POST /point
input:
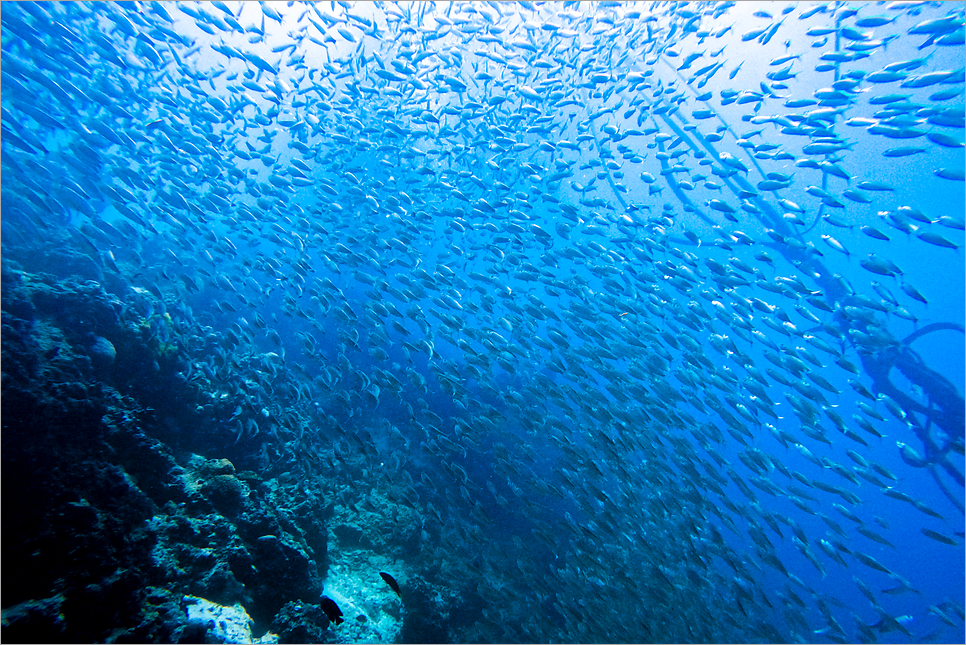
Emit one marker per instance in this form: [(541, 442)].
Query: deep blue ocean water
[(511, 357)]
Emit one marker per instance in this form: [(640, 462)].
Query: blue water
[(555, 455)]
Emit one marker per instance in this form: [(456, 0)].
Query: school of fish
[(552, 275)]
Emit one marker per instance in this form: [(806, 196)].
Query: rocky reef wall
[(110, 513)]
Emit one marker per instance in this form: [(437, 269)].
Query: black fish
[(331, 610), (391, 582)]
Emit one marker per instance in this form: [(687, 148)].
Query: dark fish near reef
[(331, 610), (391, 582)]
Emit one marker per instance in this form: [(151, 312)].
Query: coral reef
[(127, 524), (146, 530)]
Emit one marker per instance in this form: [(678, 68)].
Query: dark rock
[(432, 612), (164, 620), (226, 492), (91, 611), (310, 517), (255, 523), (348, 534), (220, 584), (285, 573), (300, 622), (34, 621), (196, 631), (241, 563)]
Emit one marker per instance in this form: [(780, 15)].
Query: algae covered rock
[(226, 492), (102, 353), (217, 467), (300, 622)]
